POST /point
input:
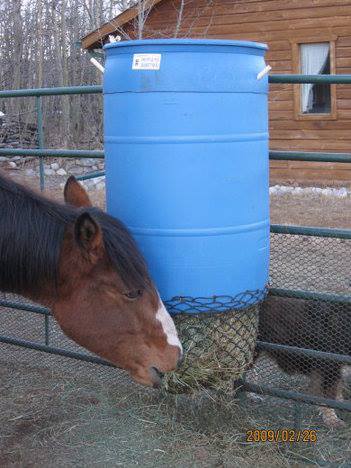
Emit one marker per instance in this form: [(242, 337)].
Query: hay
[(218, 349)]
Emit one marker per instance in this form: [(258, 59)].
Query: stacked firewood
[(17, 134)]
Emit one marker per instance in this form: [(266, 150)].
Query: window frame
[(296, 65)]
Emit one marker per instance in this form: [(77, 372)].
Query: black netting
[(214, 304)]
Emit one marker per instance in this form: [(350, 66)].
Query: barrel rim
[(203, 42)]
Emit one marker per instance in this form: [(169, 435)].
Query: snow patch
[(341, 192)]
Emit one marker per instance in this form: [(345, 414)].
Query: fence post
[(47, 329), (40, 135)]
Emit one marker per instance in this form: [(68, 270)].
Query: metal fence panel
[(310, 283)]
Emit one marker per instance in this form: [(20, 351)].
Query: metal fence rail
[(59, 91), (41, 152), (52, 153), (309, 157)]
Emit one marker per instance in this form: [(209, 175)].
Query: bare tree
[(144, 7), (38, 47), (179, 18)]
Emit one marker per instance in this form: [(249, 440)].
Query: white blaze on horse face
[(168, 326)]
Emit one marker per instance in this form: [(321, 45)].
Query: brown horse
[(85, 266)]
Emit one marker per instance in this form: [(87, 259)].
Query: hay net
[(218, 334)]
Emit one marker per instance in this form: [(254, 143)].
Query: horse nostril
[(157, 377), (158, 372)]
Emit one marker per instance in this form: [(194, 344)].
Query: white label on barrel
[(146, 61)]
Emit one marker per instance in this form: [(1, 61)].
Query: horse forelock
[(122, 251)]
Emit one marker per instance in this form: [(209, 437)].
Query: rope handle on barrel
[(264, 72), (97, 64)]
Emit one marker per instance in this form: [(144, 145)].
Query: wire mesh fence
[(309, 322), (219, 333), (310, 263)]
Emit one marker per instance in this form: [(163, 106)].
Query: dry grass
[(52, 418)]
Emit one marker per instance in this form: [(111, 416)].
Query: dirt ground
[(311, 210), (56, 412)]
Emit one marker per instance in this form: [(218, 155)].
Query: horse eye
[(134, 294)]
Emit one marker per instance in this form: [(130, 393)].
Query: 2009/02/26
[(281, 435)]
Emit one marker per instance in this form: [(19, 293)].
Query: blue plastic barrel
[(186, 144)]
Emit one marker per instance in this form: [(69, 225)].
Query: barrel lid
[(204, 42), (188, 65)]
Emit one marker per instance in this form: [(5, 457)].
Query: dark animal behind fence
[(317, 325)]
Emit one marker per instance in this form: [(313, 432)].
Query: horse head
[(106, 300)]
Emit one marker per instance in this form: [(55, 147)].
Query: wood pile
[(17, 134)]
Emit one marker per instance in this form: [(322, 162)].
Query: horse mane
[(32, 230)]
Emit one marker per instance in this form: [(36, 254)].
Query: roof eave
[(96, 38)]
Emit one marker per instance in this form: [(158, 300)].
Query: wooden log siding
[(279, 23)]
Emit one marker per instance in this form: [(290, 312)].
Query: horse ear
[(88, 235), (75, 194)]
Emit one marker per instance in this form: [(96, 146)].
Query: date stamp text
[(282, 435)]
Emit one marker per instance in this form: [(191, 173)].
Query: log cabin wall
[(282, 24)]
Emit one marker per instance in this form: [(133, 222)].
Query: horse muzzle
[(156, 377)]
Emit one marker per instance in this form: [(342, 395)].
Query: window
[(314, 56), (315, 60)]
